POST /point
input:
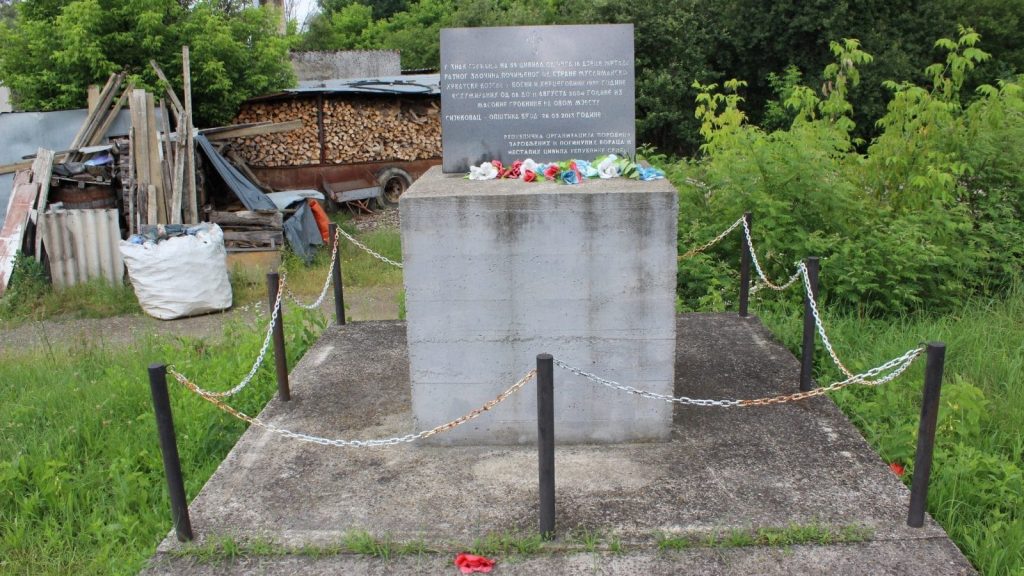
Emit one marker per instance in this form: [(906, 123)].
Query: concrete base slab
[(735, 468)]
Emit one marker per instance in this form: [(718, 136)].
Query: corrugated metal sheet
[(82, 245), (421, 84)]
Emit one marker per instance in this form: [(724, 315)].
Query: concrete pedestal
[(499, 271)]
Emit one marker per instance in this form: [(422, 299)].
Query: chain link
[(818, 323), (274, 315), (715, 240), (896, 365), (341, 443), (757, 265), (327, 283), (367, 249)]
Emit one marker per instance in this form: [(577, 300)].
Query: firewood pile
[(355, 130), (295, 148)]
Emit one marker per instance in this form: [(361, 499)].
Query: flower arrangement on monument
[(566, 172)]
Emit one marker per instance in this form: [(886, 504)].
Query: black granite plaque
[(542, 92)]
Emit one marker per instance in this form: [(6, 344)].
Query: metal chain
[(897, 365), (757, 265), (367, 249), (255, 421), (790, 282), (715, 240), (818, 323), (327, 283), (645, 393), (275, 314)]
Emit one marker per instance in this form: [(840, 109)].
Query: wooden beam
[(97, 137), (217, 129), (169, 88), (16, 166), (155, 166), (42, 169), (95, 118), (247, 218), (256, 130), (93, 92), (189, 167)]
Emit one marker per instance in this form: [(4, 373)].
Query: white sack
[(180, 276)]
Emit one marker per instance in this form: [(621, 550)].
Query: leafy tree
[(56, 48)]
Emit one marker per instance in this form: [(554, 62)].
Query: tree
[(56, 48)]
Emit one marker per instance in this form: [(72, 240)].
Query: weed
[(506, 544)]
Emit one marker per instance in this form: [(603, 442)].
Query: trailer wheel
[(393, 183)]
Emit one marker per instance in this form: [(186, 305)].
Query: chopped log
[(247, 218)]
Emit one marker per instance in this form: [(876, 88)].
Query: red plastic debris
[(469, 563), (897, 469)]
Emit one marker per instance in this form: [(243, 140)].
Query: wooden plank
[(179, 110), (93, 92), (218, 129), (42, 169), (95, 117), (15, 167), (76, 143), (101, 132), (140, 152), (256, 130), (156, 178), (189, 167), (263, 237), (170, 164), (239, 163), (12, 235), (247, 218)]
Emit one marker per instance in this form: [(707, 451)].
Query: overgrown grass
[(977, 483), (791, 535), (82, 488)]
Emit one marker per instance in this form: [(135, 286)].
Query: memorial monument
[(501, 270)]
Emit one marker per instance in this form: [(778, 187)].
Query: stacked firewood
[(375, 131), (295, 148), (355, 130)]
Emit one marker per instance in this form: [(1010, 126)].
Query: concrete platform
[(724, 469)]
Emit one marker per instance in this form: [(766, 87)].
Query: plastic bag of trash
[(182, 275)]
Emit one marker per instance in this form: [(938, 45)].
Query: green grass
[(791, 535), (977, 484), (82, 488)]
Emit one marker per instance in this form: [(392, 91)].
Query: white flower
[(608, 168), (485, 171), (530, 165)]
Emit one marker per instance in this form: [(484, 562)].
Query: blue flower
[(570, 177)]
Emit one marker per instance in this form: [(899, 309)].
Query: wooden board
[(12, 235), (42, 169)]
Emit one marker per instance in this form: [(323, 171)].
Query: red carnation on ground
[(897, 469), (469, 563)]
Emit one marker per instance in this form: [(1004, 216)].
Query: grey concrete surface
[(498, 271), (738, 468)]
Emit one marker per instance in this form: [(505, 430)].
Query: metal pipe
[(169, 450), (280, 360), (745, 266), (926, 433), (807, 355), (546, 443), (339, 290)]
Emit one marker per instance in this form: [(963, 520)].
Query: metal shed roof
[(415, 84)]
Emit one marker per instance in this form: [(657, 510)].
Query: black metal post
[(807, 356), (169, 450), (339, 290), (546, 443), (280, 360), (745, 267), (926, 433)]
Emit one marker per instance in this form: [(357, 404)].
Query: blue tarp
[(246, 191)]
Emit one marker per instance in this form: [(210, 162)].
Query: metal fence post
[(926, 433), (745, 266), (169, 450), (280, 360), (546, 443), (807, 354), (339, 290)]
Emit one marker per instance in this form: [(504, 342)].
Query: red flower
[(897, 469), (469, 563), (513, 171), (551, 172), (529, 176), (497, 164)]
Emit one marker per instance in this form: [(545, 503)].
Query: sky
[(302, 9)]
